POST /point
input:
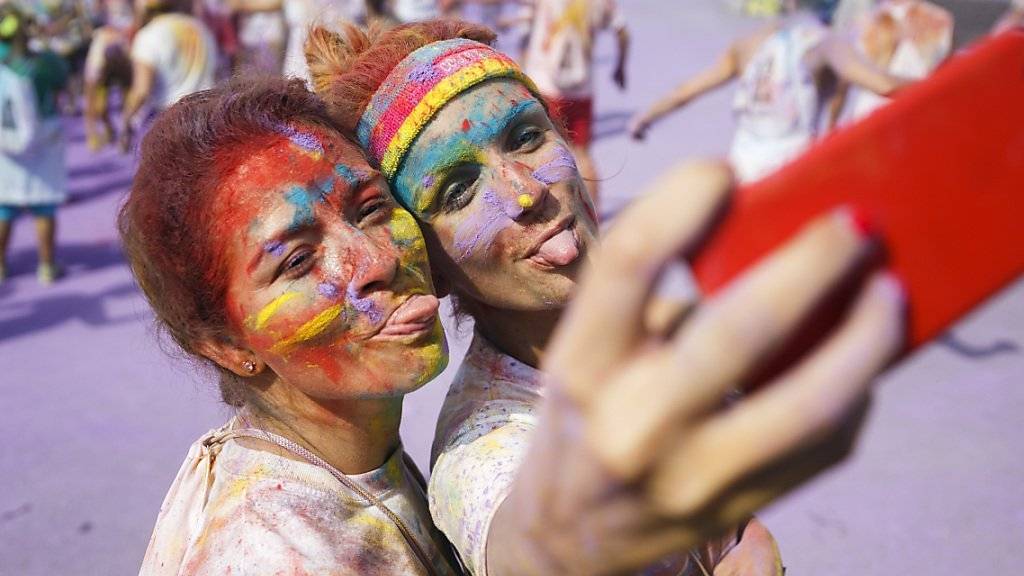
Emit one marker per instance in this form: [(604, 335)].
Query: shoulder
[(259, 515)]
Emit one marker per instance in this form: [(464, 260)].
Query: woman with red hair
[(631, 457), (273, 253)]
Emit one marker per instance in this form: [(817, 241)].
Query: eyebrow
[(302, 198), (465, 152)]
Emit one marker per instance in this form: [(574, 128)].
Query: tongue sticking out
[(559, 250)]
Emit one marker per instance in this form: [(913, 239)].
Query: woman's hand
[(636, 455)]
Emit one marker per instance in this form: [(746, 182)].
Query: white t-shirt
[(414, 10), (236, 508), (776, 103), (300, 14), (483, 433), (559, 57), (182, 52)]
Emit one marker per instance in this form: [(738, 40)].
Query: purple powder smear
[(427, 181), (561, 167), (485, 225), (423, 73), (274, 248), (363, 305), (304, 140), (328, 290)]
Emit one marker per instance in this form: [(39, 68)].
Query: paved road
[(97, 417)]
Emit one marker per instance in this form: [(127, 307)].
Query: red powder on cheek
[(466, 125)]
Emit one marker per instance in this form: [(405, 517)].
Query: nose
[(527, 193), (373, 268)]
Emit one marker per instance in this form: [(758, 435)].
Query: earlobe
[(238, 361)]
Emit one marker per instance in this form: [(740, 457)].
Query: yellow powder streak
[(310, 329), (268, 311)]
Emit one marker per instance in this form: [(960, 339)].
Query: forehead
[(476, 112), (294, 155)]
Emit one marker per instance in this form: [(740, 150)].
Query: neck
[(522, 335), (354, 436)]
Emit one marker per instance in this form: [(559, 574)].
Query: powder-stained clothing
[(37, 176), (183, 54), (483, 432), (238, 507), (776, 104), (560, 55), (926, 32)]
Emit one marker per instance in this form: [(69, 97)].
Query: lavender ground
[(97, 418)]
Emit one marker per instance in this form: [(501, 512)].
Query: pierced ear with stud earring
[(249, 366)]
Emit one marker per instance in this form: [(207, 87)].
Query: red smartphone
[(939, 172)]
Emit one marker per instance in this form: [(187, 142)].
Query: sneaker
[(48, 273)]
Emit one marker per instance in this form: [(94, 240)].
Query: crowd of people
[(315, 174)]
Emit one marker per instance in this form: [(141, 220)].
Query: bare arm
[(725, 69), (143, 80), (853, 67), (632, 458), (622, 39), (250, 6)]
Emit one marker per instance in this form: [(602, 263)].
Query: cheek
[(485, 230)]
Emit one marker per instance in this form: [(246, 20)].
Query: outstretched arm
[(622, 40), (853, 67), (633, 456), (725, 69)]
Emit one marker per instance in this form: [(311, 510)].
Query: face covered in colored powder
[(505, 211), (328, 277)]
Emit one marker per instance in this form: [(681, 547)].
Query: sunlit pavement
[(97, 417)]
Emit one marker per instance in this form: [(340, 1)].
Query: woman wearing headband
[(270, 251), (605, 475)]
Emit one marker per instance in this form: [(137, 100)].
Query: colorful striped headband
[(418, 87)]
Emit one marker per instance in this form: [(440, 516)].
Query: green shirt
[(49, 74)]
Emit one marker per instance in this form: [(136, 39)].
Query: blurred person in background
[(32, 174), (173, 54), (65, 28), (906, 38), (301, 14), (108, 68), (559, 58), (262, 32), (787, 72), (1014, 17)]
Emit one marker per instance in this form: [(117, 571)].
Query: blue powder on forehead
[(353, 177), (303, 199)]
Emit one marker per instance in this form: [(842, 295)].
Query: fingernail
[(858, 221), (896, 284)]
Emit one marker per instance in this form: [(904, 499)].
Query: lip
[(563, 224), (411, 320), (566, 223)]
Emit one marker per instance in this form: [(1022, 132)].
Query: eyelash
[(456, 200), (371, 207), (298, 263), (535, 138)]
